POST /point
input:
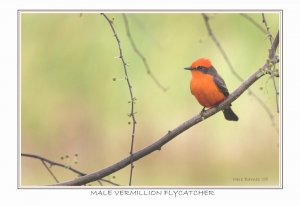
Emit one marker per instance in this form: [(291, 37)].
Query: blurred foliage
[(71, 105)]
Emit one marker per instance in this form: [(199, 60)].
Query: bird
[(209, 87)]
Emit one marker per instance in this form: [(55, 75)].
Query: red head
[(198, 66), (203, 62)]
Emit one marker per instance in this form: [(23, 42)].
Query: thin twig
[(249, 18), (276, 90), (270, 37), (51, 173), (226, 58), (173, 133), (53, 163), (139, 53), (130, 91), (100, 183)]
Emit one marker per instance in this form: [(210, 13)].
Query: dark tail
[(230, 115)]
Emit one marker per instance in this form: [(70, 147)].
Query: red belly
[(206, 91)]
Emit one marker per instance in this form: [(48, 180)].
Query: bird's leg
[(202, 112)]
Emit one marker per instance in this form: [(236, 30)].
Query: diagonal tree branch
[(273, 49), (180, 129), (234, 72)]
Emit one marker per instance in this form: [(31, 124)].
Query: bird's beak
[(188, 68)]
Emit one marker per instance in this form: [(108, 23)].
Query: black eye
[(199, 67)]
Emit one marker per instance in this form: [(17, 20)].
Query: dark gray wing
[(219, 81)]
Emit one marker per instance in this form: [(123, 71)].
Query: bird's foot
[(202, 113)]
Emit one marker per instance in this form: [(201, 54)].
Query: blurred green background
[(71, 105)]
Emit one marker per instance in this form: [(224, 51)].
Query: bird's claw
[(202, 112)]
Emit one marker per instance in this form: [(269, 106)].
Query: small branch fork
[(234, 72), (53, 163), (156, 146), (110, 22), (139, 53), (49, 170)]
